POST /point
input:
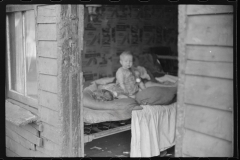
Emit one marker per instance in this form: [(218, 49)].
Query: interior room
[(150, 32)]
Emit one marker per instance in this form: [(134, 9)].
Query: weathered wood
[(49, 100), (17, 115), (210, 53), (25, 134), (19, 139), (17, 148), (210, 92), (31, 129), (209, 9), (49, 148), (69, 24), (28, 103), (211, 69), (182, 62), (37, 126), (10, 153), (209, 121), (47, 49), (48, 83), (17, 8), (51, 132), (47, 14), (31, 109), (201, 145), (22, 151), (47, 66), (46, 32), (210, 30), (49, 116)]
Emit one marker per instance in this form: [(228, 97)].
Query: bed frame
[(103, 133)]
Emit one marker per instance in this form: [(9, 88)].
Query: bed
[(103, 118)]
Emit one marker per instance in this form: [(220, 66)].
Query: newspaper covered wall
[(125, 27)]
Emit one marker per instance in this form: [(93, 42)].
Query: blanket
[(153, 130)]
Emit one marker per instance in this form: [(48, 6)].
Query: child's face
[(126, 61)]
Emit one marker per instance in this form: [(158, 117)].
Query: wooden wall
[(33, 140), (59, 32), (205, 117)]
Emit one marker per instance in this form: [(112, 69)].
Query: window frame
[(22, 100)]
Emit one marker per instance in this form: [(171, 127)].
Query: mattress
[(116, 110)]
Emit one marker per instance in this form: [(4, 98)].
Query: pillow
[(156, 95), (116, 104), (104, 80)]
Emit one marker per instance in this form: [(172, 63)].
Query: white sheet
[(153, 130)]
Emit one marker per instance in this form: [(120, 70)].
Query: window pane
[(31, 68), (15, 49)]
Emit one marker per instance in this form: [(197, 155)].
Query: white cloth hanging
[(153, 130)]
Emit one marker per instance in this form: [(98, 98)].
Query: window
[(21, 57)]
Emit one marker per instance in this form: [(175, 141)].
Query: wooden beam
[(70, 32), (182, 63)]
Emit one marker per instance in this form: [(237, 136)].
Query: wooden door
[(205, 96)]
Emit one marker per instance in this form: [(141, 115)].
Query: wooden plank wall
[(32, 140), (208, 81)]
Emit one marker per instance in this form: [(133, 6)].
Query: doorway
[(111, 29)]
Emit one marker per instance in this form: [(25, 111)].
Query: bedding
[(153, 130), (96, 111), (99, 109), (156, 95)]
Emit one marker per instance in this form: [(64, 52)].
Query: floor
[(117, 145)]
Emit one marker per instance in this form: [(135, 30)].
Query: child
[(127, 77)]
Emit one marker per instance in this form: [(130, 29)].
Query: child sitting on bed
[(128, 76), (125, 75)]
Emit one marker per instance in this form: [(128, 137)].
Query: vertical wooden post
[(69, 79), (181, 75)]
